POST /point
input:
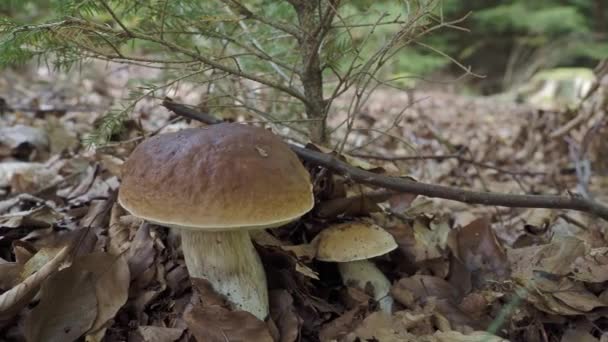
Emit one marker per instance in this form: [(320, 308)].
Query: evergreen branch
[(251, 15), (86, 25), (224, 68), (116, 19), (258, 46)]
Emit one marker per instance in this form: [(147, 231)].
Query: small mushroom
[(215, 185), (350, 245)]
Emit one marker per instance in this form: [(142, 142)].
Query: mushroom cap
[(221, 177), (353, 241)]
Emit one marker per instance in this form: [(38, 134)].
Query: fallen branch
[(330, 162)]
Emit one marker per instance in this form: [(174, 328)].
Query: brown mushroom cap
[(223, 177), (353, 241)]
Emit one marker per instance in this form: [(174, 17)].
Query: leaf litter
[(460, 272)]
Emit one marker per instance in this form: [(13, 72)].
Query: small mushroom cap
[(222, 177), (353, 241)]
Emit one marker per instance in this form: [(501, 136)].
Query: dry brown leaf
[(104, 276), (141, 254), (577, 335), (421, 287), (341, 326), (10, 274), (13, 300), (477, 336), (284, 315), (433, 236), (436, 295), (401, 202), (380, 326), (159, 334), (477, 247), (67, 308), (38, 260), (122, 229), (592, 267), (570, 293), (111, 281), (555, 258), (213, 323), (41, 217)]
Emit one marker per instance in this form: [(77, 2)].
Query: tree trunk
[(312, 77)]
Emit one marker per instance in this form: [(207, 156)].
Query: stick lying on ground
[(430, 190)]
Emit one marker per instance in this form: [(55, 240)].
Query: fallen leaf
[(476, 336), (40, 217), (14, 299), (577, 335), (341, 326), (141, 255), (67, 308), (111, 281), (380, 326), (592, 267), (213, 323), (477, 247), (284, 315), (159, 334), (555, 258)]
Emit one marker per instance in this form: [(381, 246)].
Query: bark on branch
[(430, 190)]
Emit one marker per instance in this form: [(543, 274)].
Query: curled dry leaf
[(13, 300)]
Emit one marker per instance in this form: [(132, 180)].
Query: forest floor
[(460, 272)]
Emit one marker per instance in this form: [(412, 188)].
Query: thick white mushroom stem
[(364, 275), (229, 261)]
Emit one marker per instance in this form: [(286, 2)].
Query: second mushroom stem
[(364, 274), (229, 261)]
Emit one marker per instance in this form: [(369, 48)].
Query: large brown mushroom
[(215, 184)]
